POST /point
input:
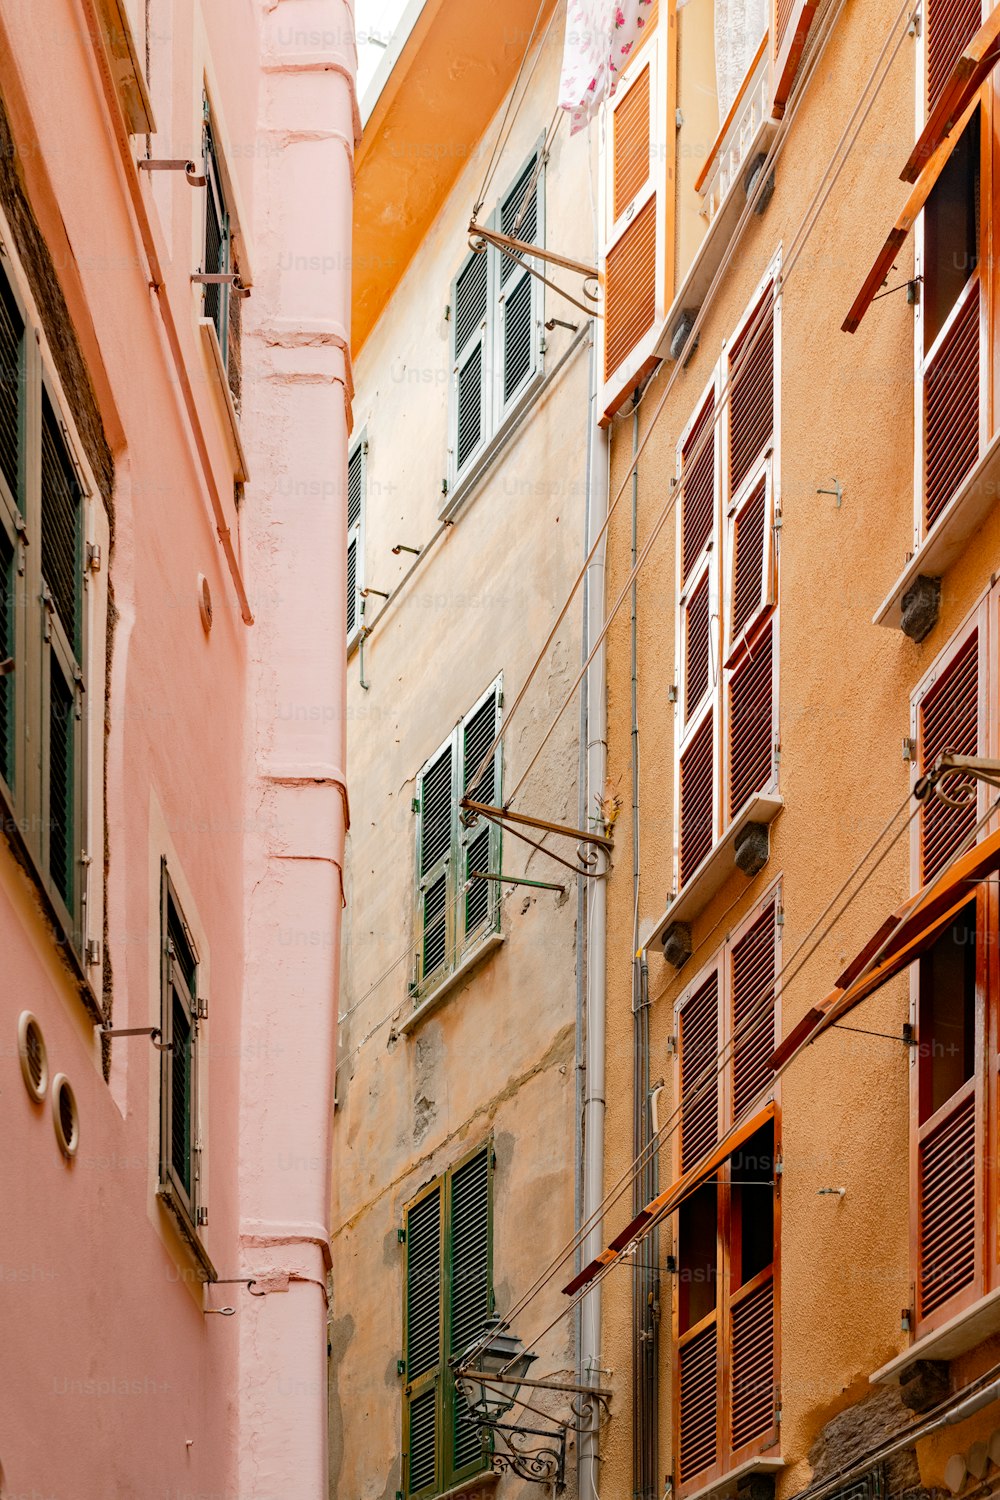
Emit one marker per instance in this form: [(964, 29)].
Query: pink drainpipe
[(297, 328)]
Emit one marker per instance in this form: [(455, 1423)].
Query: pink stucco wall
[(223, 755)]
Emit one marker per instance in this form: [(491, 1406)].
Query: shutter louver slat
[(948, 720), (751, 725), (422, 1466), (477, 897), (753, 1366), (6, 649), (61, 518), (753, 977), (697, 646), (517, 331), (435, 925), (697, 828), (751, 395), (471, 292), (698, 493), (698, 1043), (11, 334), (948, 1208), (436, 810), (423, 1285), (352, 585), (748, 565), (470, 406), (950, 25), (631, 144), (698, 1439), (480, 732), (527, 229), (782, 16), (951, 410), (355, 472), (62, 720), (630, 288)]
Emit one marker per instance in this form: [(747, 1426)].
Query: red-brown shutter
[(697, 799), (698, 1403), (947, 1206), (751, 392), (751, 723), (950, 26), (698, 1046), (696, 646), (752, 990), (752, 1333), (630, 289), (790, 23), (749, 562), (948, 720), (698, 486), (951, 408), (630, 164)]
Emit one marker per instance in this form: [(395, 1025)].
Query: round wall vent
[(34, 1058), (204, 603), (65, 1116)]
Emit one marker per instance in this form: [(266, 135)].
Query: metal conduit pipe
[(594, 1100)]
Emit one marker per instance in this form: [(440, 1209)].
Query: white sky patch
[(375, 21)]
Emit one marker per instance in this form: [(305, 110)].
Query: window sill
[(232, 422), (716, 867), (961, 518), (961, 1333), (473, 1489), (708, 257), (186, 1230), (427, 1003), (22, 853), (727, 1483)]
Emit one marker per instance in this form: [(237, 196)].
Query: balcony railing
[(745, 132)]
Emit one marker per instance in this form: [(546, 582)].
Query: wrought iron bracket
[(174, 164), (542, 1463), (221, 278), (947, 765)]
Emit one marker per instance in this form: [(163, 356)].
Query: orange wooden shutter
[(948, 719), (949, 26), (752, 999), (634, 258), (951, 405), (698, 1046), (697, 1360), (751, 723), (752, 1354), (697, 646), (947, 1199), (790, 23)]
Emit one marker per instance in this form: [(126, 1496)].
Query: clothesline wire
[(502, 139)]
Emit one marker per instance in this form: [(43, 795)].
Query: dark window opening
[(697, 1256), (951, 232), (947, 1015), (752, 1235)]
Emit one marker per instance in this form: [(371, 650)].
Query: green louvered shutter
[(469, 1298), (8, 554), (480, 841), (424, 1341), (11, 449), (178, 1064), (62, 575), (520, 308), (470, 360), (355, 501), (437, 825)]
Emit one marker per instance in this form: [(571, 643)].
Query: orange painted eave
[(450, 79)]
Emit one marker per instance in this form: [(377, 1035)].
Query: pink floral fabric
[(600, 35)]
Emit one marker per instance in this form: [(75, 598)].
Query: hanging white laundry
[(600, 35), (739, 26)]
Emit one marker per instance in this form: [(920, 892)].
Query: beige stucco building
[(456, 1164)]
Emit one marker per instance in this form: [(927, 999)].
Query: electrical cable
[(966, 843), (771, 158)]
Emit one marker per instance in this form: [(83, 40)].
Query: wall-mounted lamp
[(490, 1375)]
